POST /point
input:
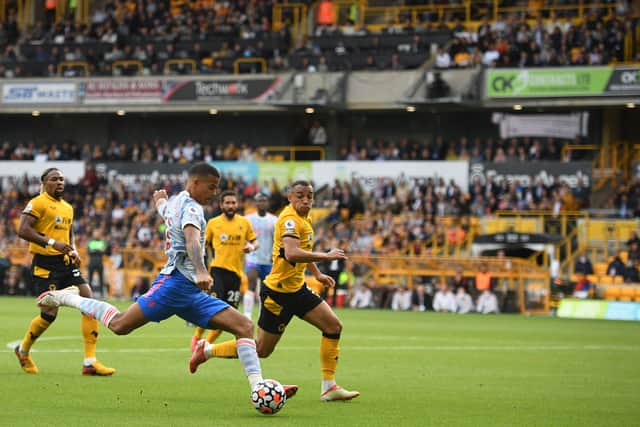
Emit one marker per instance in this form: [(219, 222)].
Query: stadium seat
[(612, 293), (636, 297), (605, 280), (593, 279), (600, 268), (618, 280), (627, 293)]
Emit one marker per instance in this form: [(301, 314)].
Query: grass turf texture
[(413, 369)]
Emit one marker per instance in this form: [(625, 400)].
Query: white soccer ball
[(268, 397)]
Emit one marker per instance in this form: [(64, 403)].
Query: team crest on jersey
[(224, 237), (192, 210), (58, 219), (289, 226)]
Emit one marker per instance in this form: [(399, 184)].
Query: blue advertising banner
[(591, 309), (247, 170)]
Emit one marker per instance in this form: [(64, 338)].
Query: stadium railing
[(528, 282), (172, 62), (292, 14), (238, 64), (82, 65), (294, 152)]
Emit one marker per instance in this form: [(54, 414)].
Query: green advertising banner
[(284, 172), (562, 82), (581, 309)]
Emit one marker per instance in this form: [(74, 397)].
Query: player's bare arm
[(194, 251), (327, 281), (294, 253), (159, 197), (27, 232), (250, 246), (74, 255)]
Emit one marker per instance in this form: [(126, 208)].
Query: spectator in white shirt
[(491, 56), (362, 297), (401, 299), (487, 303), (444, 300), (443, 59), (464, 303)]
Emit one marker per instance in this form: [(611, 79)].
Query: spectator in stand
[(633, 253), (583, 265), (631, 274), (401, 300), (487, 303), (633, 238), (444, 300), (582, 287), (459, 281), (483, 279), (616, 267), (362, 297), (464, 303), (419, 298)]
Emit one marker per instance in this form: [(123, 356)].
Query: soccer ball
[(268, 397)]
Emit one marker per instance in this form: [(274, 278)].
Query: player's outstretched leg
[(99, 310)]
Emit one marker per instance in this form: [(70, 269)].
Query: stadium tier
[(448, 141)]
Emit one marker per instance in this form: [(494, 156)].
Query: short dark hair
[(260, 196), (46, 172), (227, 193), (302, 182), (203, 169)]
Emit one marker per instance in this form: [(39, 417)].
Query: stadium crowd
[(215, 34), (359, 148), (393, 218), (512, 42), (479, 150)]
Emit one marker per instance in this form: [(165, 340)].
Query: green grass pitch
[(413, 369)]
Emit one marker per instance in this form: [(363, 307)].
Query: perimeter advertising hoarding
[(592, 309), (321, 173), (122, 91), (529, 172), (562, 82), (284, 172), (39, 93), (73, 170), (368, 173), (128, 172), (219, 90)]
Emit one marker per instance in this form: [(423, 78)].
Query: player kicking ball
[(180, 288)]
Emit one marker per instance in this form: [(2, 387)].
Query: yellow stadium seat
[(574, 277), (636, 297), (593, 279), (605, 280), (612, 293), (627, 293), (618, 280), (600, 268)]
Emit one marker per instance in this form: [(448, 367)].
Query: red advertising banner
[(116, 91)]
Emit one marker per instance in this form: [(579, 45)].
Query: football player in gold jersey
[(285, 294), (47, 224), (228, 237)]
